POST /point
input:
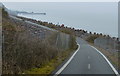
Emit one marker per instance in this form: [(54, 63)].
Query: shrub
[(23, 51), (91, 38), (73, 43), (4, 13)]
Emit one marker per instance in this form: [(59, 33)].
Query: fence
[(107, 43), (62, 40)]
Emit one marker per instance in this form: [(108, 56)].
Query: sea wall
[(107, 43), (63, 40)]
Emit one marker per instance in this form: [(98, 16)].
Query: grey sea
[(100, 17)]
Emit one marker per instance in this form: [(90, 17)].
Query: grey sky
[(59, 0), (98, 15)]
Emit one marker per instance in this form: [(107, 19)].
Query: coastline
[(67, 24), (84, 37), (78, 30)]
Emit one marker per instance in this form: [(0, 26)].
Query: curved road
[(87, 61)]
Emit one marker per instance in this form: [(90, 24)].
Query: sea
[(99, 17)]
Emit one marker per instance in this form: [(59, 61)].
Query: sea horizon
[(99, 17)]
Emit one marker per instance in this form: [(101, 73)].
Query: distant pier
[(31, 13)]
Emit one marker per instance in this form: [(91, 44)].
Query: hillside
[(35, 47), (26, 46)]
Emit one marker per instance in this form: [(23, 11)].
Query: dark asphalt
[(87, 61)]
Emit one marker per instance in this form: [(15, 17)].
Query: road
[(87, 61)]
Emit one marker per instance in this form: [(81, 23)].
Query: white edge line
[(64, 66), (88, 66), (115, 71)]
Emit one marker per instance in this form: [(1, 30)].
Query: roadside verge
[(65, 65)]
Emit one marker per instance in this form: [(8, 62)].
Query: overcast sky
[(99, 15), (59, 0)]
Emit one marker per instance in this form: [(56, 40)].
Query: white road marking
[(115, 71), (88, 66), (88, 57), (65, 65)]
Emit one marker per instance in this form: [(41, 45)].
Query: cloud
[(59, 0)]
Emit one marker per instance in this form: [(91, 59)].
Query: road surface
[(87, 61)]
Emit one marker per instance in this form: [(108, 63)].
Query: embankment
[(27, 47)]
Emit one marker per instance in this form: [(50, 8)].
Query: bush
[(73, 43), (91, 38), (4, 13), (23, 51)]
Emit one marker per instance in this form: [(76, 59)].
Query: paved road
[(87, 61)]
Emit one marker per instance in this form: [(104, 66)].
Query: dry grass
[(23, 51), (49, 67), (92, 38)]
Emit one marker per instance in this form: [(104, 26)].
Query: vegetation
[(112, 56), (91, 38), (26, 53), (56, 61), (73, 43), (52, 64), (67, 31), (4, 13), (61, 28)]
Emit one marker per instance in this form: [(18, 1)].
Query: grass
[(51, 65), (51, 25), (26, 53), (92, 38), (46, 69)]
